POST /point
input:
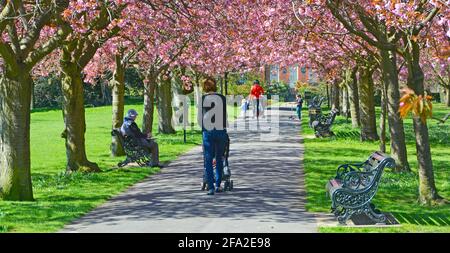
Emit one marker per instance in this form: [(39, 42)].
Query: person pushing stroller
[(214, 122)]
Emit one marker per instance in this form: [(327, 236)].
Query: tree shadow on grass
[(439, 219), (348, 135)]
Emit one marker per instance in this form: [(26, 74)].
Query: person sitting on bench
[(130, 128)]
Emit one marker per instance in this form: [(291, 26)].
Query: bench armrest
[(357, 180), (343, 169)]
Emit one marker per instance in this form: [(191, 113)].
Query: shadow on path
[(268, 194)]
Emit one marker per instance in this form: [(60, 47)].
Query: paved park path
[(268, 195)]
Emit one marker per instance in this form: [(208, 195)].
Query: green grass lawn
[(62, 198), (398, 192)]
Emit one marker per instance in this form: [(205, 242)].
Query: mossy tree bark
[(383, 117), (396, 129), (335, 96), (76, 54), (367, 105), (149, 102), (32, 97), (352, 85), (447, 102), (164, 98), (74, 116), (225, 77), (428, 193), (20, 52), (118, 103), (345, 100), (15, 174)]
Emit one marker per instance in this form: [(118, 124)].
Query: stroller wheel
[(226, 186), (203, 186)]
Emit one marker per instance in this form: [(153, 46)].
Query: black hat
[(256, 82)]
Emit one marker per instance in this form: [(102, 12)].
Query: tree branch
[(8, 56), (28, 42), (48, 47), (335, 11)]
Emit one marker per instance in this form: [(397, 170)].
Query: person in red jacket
[(255, 94)]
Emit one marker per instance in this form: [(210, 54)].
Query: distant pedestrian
[(299, 102), (244, 107), (255, 94)]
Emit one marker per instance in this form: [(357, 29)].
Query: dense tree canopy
[(347, 42)]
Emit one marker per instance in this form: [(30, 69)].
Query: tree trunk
[(164, 103), (118, 104), (267, 74), (197, 91), (447, 95), (74, 119), (335, 93), (427, 189), (328, 95), (354, 98), (15, 172), (32, 96), (367, 106), (149, 104), (345, 109), (221, 85), (383, 119), (397, 132), (345, 100), (106, 93), (226, 83)]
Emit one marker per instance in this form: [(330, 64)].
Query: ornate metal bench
[(354, 187), (322, 124), (315, 109), (133, 150)]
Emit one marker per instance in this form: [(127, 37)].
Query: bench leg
[(124, 163), (345, 215), (369, 210)]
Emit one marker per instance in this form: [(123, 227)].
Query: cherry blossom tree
[(29, 32), (393, 28)]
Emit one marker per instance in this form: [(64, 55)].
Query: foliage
[(243, 89), (301, 87), (278, 88), (134, 86), (420, 106), (47, 92), (97, 94), (245, 78)]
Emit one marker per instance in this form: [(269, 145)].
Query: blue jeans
[(299, 112), (214, 142)]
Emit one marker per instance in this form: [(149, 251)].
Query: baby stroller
[(226, 173)]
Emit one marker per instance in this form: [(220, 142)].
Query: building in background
[(289, 75)]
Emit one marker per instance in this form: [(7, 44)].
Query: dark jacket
[(208, 104), (299, 102), (130, 128)]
